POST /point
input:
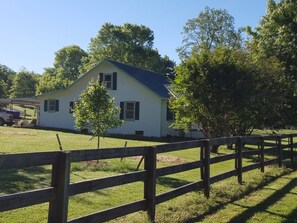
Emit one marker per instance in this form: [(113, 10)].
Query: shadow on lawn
[(171, 182), (18, 180), (243, 217), (264, 205)]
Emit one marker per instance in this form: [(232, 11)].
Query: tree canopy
[(228, 92), (277, 34), (6, 77), (130, 44), (65, 69), (67, 62), (24, 84), (212, 28), (95, 110)]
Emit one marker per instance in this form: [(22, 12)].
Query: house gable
[(139, 99)]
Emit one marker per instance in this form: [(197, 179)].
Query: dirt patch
[(18, 133), (166, 159), (170, 159)]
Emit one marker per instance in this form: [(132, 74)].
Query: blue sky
[(33, 30)]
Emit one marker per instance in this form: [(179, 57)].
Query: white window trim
[(125, 110), (48, 105)]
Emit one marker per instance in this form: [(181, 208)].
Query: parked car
[(6, 118), (16, 114)]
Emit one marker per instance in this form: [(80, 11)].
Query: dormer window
[(109, 79)]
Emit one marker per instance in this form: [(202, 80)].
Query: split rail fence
[(269, 149)]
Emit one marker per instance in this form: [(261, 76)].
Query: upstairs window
[(109, 79)]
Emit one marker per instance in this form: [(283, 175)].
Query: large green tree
[(50, 81), (6, 77), (210, 29), (24, 84), (67, 62), (65, 69), (130, 44), (226, 92), (276, 36), (95, 110)]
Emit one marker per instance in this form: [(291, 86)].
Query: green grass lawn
[(23, 140), (275, 202), (192, 206)]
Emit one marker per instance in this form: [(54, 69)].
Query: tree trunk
[(98, 142)]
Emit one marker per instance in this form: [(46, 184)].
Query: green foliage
[(24, 84), (65, 69), (277, 34), (6, 77), (212, 28), (67, 62), (96, 110), (227, 92), (50, 81), (130, 44)]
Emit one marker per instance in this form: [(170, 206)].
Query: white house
[(142, 96)]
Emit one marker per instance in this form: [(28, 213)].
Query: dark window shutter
[(101, 77), (71, 103), (114, 81), (57, 105), (45, 105), (122, 110), (137, 110)]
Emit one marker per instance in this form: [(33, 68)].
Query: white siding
[(128, 89)]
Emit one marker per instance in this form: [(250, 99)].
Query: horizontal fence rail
[(278, 147)]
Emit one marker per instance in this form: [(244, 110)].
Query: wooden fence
[(280, 146)]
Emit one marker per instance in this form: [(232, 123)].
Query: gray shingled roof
[(155, 81)]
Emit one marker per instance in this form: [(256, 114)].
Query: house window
[(51, 105), (109, 79), (139, 133), (71, 106), (169, 114), (129, 110)]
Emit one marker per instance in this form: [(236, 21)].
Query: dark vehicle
[(15, 114), (6, 118)]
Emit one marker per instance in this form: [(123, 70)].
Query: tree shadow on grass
[(263, 206), (19, 180), (215, 208), (171, 182)]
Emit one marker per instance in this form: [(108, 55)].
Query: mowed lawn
[(24, 140), (192, 207)]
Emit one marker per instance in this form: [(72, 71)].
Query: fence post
[(150, 182), (262, 158), (279, 149), (292, 149), (239, 159), (206, 169), (202, 151), (58, 206)]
